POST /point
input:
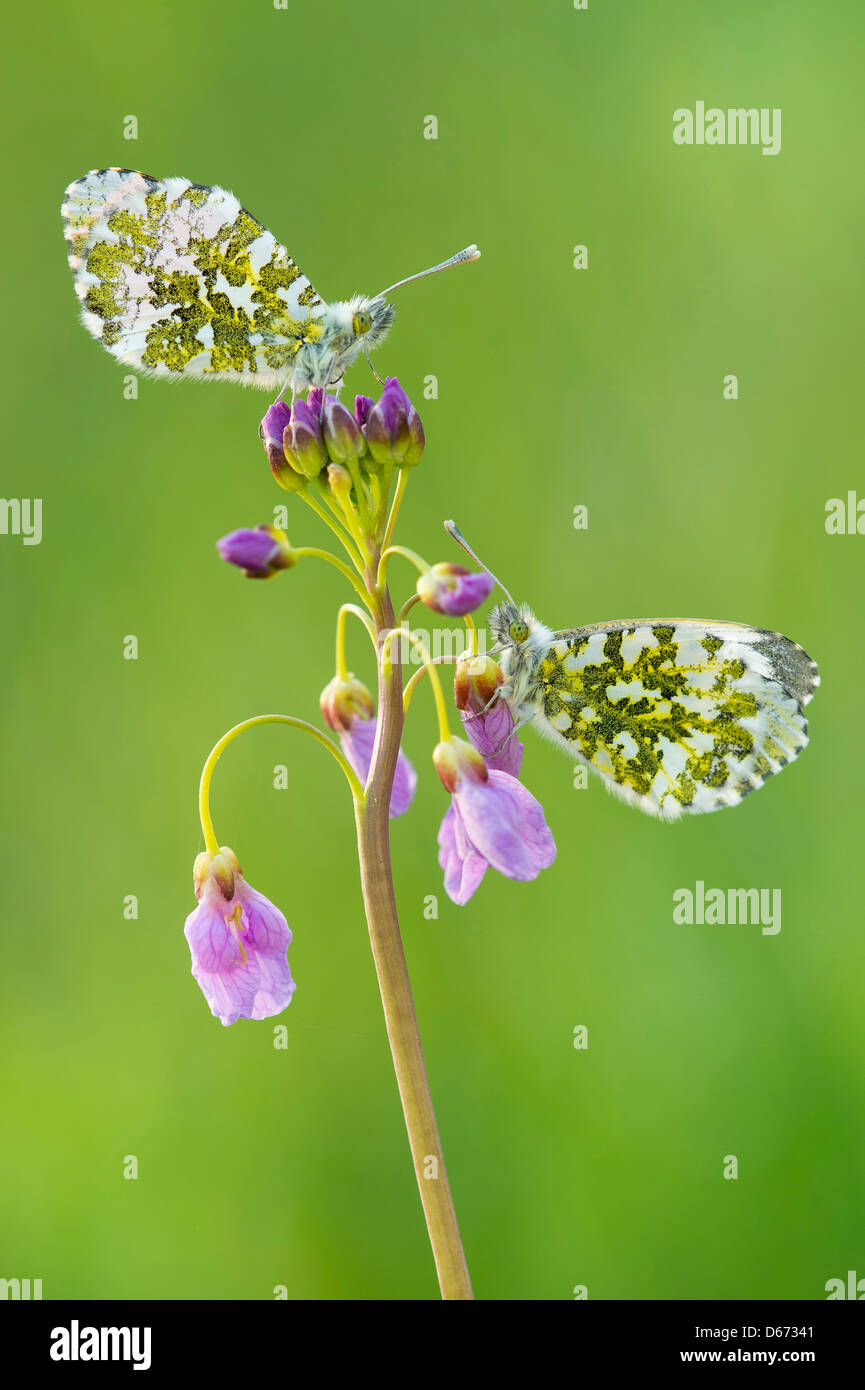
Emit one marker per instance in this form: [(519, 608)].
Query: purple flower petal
[(492, 736), (249, 549), (238, 952), (274, 423), (357, 744), (451, 589), (497, 822), (463, 866)]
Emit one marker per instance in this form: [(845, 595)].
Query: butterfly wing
[(677, 715), (179, 279)]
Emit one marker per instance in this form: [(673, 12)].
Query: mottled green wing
[(177, 279), (677, 715)]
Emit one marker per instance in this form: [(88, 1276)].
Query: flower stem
[(343, 568), (373, 837), (341, 664), (216, 752)]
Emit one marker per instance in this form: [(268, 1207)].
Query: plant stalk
[(373, 837)]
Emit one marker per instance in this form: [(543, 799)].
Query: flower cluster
[(304, 439), (342, 463)]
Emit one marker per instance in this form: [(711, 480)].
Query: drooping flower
[(452, 589), (492, 821), (394, 431), (238, 940), (259, 552), (347, 707), (487, 718)]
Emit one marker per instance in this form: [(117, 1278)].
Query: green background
[(557, 387)]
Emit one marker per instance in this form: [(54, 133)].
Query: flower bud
[(393, 429), (476, 680), (455, 760), (340, 482), (451, 589), (302, 441), (260, 553), (219, 868), (316, 400), (342, 434), (343, 700), (362, 406), (272, 430)]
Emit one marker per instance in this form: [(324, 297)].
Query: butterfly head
[(353, 326), (517, 631), (523, 642), (371, 321)]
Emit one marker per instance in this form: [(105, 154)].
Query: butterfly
[(177, 279), (677, 715)]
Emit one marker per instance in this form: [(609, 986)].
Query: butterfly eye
[(362, 322), (518, 630)]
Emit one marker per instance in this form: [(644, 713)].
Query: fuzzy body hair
[(520, 660), (327, 360)]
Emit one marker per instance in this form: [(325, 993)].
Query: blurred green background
[(557, 387)]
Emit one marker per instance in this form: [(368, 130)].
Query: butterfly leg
[(487, 707), (325, 383), (506, 740), (282, 389), (372, 369)]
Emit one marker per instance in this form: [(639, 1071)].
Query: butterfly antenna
[(454, 531), (469, 253)]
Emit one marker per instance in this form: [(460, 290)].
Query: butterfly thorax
[(326, 359), (521, 654)]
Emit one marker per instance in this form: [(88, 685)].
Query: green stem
[(210, 840), (373, 839), (338, 530), (417, 560), (341, 664), (343, 568)]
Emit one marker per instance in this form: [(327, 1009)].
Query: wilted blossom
[(238, 940), (393, 429), (348, 708), (259, 552), (487, 719), (493, 820), (452, 589)]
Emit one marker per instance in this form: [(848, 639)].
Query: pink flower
[(259, 553), (452, 589), (493, 820), (357, 743), (348, 708), (238, 940), (487, 718)]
